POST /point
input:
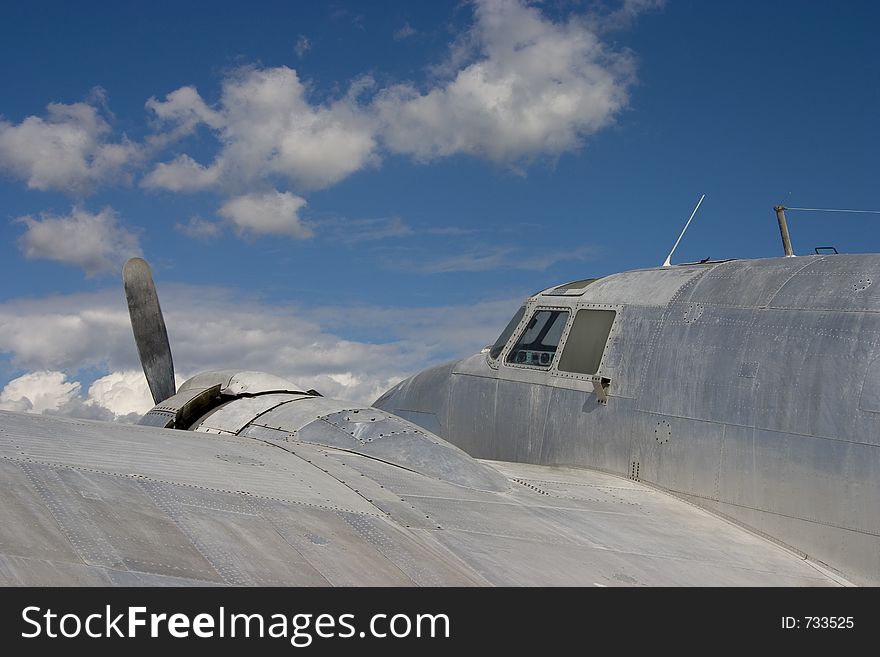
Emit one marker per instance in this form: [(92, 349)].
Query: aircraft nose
[(421, 399)]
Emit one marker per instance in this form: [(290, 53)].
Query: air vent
[(634, 471)]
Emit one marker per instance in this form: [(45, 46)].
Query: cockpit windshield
[(537, 345), (497, 348)]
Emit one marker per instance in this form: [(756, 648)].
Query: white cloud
[(120, 396), (68, 332), (38, 392), (268, 128), (123, 393), (627, 12), (95, 242), (273, 213), (517, 86), (66, 151), (200, 229), (533, 87), (211, 328), (183, 174), (186, 109)]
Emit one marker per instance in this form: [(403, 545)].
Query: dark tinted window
[(537, 345), (506, 333), (586, 341)]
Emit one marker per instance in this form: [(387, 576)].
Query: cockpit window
[(497, 348), (537, 345), (586, 341)]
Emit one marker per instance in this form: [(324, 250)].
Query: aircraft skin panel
[(644, 287), (752, 388), (847, 283), (223, 463), (234, 416), (744, 283), (87, 503)]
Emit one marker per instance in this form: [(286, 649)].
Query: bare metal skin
[(750, 388), (744, 391)]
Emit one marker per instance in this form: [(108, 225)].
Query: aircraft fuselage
[(749, 387)]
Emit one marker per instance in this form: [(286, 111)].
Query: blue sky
[(380, 183)]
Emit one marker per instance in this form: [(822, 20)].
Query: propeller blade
[(148, 326)]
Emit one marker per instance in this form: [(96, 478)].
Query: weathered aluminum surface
[(750, 387), (234, 383), (385, 436), (254, 383), (87, 503), (235, 415), (646, 287), (179, 410), (869, 398)]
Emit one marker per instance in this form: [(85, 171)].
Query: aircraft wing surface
[(88, 503)]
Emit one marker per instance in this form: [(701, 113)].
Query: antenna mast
[(783, 230), (668, 261)]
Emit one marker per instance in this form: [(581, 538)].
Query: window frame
[(602, 370), (497, 360), (520, 331)]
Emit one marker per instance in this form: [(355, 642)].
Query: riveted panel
[(387, 437), (333, 547), (233, 416), (112, 522), (422, 560), (869, 399), (844, 282), (27, 527)]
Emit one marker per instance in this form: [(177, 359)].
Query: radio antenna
[(668, 261)]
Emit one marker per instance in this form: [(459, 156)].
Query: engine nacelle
[(271, 409), (207, 392)]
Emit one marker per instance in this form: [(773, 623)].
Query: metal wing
[(85, 503)]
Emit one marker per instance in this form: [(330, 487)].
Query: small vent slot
[(634, 471)]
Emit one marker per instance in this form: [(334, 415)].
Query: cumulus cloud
[(516, 86), (183, 174), (123, 393), (66, 151), (120, 396), (267, 128), (272, 213), (185, 109), (95, 242), (38, 392), (532, 87), (212, 328)]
